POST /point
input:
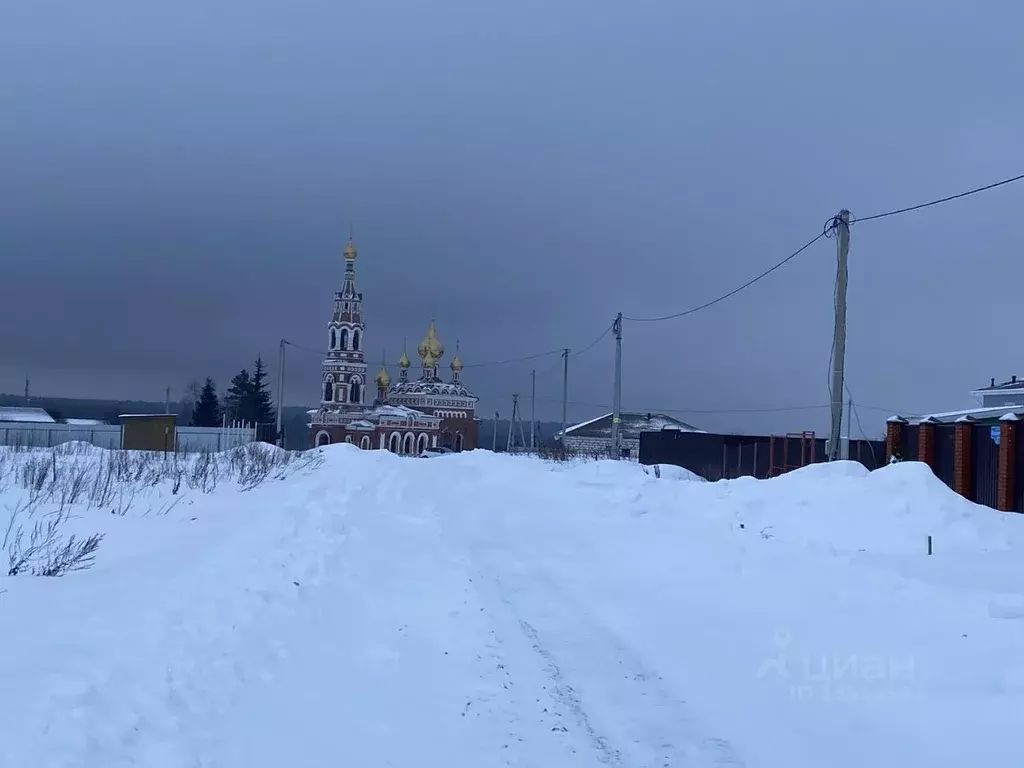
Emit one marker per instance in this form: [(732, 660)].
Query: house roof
[(973, 414), (84, 422), (1012, 385), (25, 414), (630, 425)]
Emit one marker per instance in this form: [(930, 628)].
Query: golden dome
[(456, 363), (383, 377), (428, 360), (350, 250), (431, 344), (403, 361)]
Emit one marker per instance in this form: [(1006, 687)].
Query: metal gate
[(985, 458)]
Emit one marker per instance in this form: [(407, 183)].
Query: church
[(407, 416)]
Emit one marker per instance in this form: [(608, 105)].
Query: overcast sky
[(177, 181)]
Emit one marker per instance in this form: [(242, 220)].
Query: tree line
[(247, 399)]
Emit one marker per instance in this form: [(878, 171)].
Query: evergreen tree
[(206, 412), (237, 398), (261, 407)]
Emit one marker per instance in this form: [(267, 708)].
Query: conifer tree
[(261, 407), (206, 412), (238, 397)]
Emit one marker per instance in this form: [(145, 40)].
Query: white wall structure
[(189, 439)]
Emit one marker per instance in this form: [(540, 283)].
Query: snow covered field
[(354, 608)]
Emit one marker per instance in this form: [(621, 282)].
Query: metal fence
[(985, 465), (189, 439), (715, 457)]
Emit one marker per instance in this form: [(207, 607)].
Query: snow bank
[(479, 610)]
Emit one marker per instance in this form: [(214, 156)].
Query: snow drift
[(353, 607)]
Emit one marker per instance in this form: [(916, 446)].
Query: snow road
[(480, 610)]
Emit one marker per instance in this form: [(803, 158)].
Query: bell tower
[(343, 377)]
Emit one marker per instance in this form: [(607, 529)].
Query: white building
[(594, 437)]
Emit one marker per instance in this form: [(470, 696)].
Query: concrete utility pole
[(494, 437), (839, 338), (533, 409), (27, 398), (167, 400), (617, 397), (280, 393), (849, 423), (565, 391)]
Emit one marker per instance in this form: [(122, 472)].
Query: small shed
[(148, 431)]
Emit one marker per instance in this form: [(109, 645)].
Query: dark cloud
[(178, 181)]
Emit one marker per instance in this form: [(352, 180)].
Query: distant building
[(994, 402), (407, 416), (595, 436), (25, 415)]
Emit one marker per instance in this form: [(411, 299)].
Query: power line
[(293, 345), (733, 292), (778, 409), (594, 343), (515, 359), (918, 207)]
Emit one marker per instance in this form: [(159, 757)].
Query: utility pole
[(533, 410), (849, 423), (167, 399), (617, 397), (565, 391), (512, 422), (494, 437), (280, 393), (27, 398), (842, 224)]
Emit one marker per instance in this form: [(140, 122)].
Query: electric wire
[(930, 203), (734, 291)]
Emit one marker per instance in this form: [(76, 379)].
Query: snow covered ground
[(477, 610)]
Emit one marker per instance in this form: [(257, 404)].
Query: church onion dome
[(456, 363), (432, 345), (428, 360), (350, 250), (403, 361), (383, 377)]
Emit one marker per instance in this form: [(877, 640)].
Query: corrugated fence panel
[(699, 453), (985, 458), (908, 446), (944, 453)]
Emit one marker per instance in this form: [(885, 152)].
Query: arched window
[(409, 443), (344, 338), (355, 340), (329, 389), (395, 445), (356, 392), (322, 439), (422, 443), (446, 439), (348, 439), (334, 339), (458, 442), (365, 443)]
